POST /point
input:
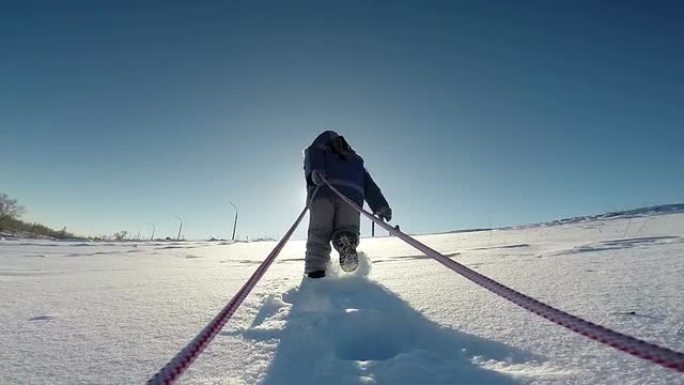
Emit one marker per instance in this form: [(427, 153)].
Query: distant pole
[(180, 228), (372, 229), (154, 228), (235, 220)]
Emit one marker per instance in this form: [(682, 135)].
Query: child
[(332, 219)]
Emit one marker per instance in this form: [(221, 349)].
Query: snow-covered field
[(87, 313)]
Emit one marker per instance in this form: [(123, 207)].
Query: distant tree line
[(11, 224)]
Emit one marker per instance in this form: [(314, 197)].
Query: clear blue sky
[(118, 114)]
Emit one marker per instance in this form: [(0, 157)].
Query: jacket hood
[(324, 138)]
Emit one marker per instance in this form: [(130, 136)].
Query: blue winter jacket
[(345, 172)]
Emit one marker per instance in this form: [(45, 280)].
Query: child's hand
[(384, 213)]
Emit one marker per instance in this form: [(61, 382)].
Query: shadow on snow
[(351, 330)]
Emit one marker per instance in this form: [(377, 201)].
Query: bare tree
[(9, 207)]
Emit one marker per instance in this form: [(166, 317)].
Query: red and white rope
[(634, 346), (180, 363)]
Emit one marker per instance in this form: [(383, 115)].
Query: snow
[(114, 313)]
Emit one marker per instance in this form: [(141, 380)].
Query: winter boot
[(345, 244), (316, 274)]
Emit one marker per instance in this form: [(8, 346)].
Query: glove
[(384, 213), (317, 177)]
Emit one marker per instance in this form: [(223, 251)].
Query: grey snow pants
[(327, 217)]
